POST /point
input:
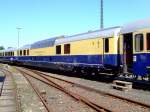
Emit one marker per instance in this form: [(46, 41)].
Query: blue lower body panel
[(111, 60), (70, 60), (141, 63)]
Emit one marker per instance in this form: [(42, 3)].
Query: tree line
[(2, 48)]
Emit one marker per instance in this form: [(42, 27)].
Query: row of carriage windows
[(139, 42), (66, 49), (7, 54), (24, 52), (20, 53), (139, 46)]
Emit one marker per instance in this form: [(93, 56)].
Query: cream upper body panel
[(91, 43), (85, 47), (104, 33), (47, 51)]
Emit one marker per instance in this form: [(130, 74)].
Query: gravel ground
[(60, 102), (28, 98), (138, 95), (107, 102), (57, 98)]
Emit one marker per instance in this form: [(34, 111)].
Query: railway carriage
[(7, 56), (89, 52), (117, 50), (82, 52), (135, 48)]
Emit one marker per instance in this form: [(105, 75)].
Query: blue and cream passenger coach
[(116, 50), (135, 47), (93, 50)]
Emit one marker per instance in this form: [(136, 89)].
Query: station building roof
[(134, 26), (108, 32)]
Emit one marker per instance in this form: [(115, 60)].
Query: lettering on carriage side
[(134, 58)]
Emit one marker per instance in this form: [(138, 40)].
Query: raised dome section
[(45, 43)]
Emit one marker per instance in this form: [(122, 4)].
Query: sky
[(42, 19)]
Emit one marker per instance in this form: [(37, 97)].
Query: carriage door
[(128, 50)]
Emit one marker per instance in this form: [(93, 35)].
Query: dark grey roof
[(44, 43), (8, 50), (28, 46), (108, 32), (134, 26)]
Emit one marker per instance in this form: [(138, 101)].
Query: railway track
[(84, 100), (75, 96), (43, 100), (92, 89), (81, 98)]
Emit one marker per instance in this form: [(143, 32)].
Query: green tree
[(2, 48)]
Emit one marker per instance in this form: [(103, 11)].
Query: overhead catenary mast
[(101, 15)]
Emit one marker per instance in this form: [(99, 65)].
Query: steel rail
[(95, 90), (82, 99), (38, 93)]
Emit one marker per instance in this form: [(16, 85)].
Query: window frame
[(148, 50), (20, 52), (135, 43), (58, 49), (28, 52), (106, 47), (67, 48), (24, 52)]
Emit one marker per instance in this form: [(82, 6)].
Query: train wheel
[(74, 71), (142, 78), (149, 77), (136, 77)]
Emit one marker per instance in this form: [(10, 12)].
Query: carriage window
[(20, 53), (139, 42), (58, 49), (148, 41), (106, 45), (67, 49), (24, 52), (28, 52)]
